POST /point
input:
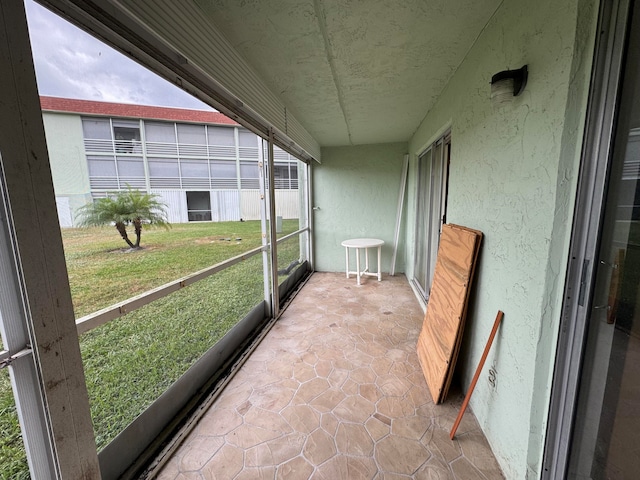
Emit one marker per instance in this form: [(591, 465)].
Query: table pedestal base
[(358, 244)]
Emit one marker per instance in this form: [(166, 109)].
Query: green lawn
[(130, 361), (102, 272)]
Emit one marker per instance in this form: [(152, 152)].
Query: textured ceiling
[(353, 71)]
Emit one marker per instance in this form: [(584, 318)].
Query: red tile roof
[(90, 107)]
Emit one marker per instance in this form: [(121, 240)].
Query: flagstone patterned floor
[(334, 392)]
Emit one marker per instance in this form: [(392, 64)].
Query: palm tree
[(123, 208)]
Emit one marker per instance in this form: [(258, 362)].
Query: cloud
[(71, 63)]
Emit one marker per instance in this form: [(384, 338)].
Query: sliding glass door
[(433, 167), (608, 407), (595, 409)]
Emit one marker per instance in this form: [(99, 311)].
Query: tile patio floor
[(335, 392)]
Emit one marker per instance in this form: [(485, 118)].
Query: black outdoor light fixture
[(508, 84)]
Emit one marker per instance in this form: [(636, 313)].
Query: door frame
[(585, 237), (445, 141)]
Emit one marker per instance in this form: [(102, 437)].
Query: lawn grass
[(130, 361), (13, 460), (102, 271)]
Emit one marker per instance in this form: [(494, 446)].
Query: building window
[(249, 174), (168, 155), (96, 128), (126, 135), (192, 140), (160, 138), (130, 172), (103, 174), (285, 176), (224, 174), (199, 206), (164, 172)]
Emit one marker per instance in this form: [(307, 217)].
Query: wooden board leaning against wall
[(441, 335)]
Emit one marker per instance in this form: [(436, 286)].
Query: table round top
[(363, 242)]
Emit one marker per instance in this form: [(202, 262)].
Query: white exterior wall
[(287, 204), (225, 205), (65, 215), (230, 205), (250, 204), (176, 202)]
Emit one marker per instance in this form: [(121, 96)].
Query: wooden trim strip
[(487, 347), (93, 320)]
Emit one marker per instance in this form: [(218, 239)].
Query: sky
[(72, 64)]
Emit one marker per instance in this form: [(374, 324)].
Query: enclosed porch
[(355, 91)]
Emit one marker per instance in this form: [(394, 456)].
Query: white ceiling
[(353, 71)]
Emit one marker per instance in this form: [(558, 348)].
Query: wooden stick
[(496, 323)]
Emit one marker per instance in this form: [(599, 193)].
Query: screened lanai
[(366, 97)]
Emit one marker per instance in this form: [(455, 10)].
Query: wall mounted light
[(508, 84)]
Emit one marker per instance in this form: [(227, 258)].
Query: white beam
[(37, 247)]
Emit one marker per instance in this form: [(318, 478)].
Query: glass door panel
[(430, 211), (435, 217), (422, 224), (607, 424)]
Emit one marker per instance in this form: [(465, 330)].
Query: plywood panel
[(440, 337)]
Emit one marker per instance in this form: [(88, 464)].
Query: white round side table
[(365, 243)]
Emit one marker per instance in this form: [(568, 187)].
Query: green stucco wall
[(67, 159), (356, 190), (66, 153), (513, 175)]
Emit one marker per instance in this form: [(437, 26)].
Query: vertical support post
[(379, 260), (275, 305), (310, 214), (263, 222), (396, 237), (303, 205), (145, 159), (236, 142), (358, 264), (24, 379), (40, 268)]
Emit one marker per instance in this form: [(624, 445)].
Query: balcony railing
[(93, 320)]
